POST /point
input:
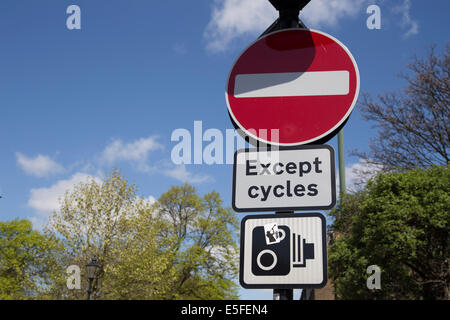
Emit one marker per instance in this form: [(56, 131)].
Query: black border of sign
[(284, 286), (307, 147)]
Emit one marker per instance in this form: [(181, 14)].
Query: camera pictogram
[(275, 250)]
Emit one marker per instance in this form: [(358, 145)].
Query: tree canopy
[(399, 222), (203, 246), (183, 246), (28, 261)]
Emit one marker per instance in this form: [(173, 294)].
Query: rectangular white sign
[(292, 84), (300, 178), (298, 259)]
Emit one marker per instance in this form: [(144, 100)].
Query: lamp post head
[(91, 268)]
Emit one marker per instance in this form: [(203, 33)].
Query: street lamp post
[(91, 270)]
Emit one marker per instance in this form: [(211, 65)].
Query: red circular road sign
[(302, 82)]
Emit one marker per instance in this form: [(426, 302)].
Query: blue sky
[(78, 102)]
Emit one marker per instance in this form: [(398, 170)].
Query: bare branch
[(413, 126)]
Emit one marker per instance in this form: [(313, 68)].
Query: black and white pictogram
[(283, 251), (275, 250)]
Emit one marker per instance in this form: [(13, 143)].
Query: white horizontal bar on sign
[(292, 84)]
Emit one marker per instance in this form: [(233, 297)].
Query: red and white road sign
[(303, 83)]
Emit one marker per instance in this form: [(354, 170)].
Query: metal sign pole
[(341, 156), (289, 11), (283, 294)]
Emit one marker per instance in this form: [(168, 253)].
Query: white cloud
[(150, 200), (357, 175), (181, 174), (46, 200), (40, 166), (234, 18), (38, 222), (231, 19), (136, 151), (406, 21), (321, 13)]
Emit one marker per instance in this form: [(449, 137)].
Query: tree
[(99, 219), (28, 260), (414, 126), (143, 251), (400, 222), (204, 246), (143, 265)]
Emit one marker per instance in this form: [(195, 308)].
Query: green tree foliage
[(181, 247), (203, 246), (143, 262), (28, 261), (94, 220), (400, 222)]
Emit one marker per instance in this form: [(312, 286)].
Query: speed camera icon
[(277, 257)]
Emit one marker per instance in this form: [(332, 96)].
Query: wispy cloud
[(406, 22), (46, 200), (320, 13), (39, 166), (136, 152), (357, 175), (231, 19), (181, 174)]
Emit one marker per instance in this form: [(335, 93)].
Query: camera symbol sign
[(283, 251)]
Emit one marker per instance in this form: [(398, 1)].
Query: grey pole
[(283, 294), (89, 291), (289, 11), (341, 155)]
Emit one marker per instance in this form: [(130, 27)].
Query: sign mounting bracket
[(289, 11)]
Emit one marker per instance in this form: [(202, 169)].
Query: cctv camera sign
[(300, 178), (283, 251)]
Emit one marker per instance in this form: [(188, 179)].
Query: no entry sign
[(303, 83), (298, 178)]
